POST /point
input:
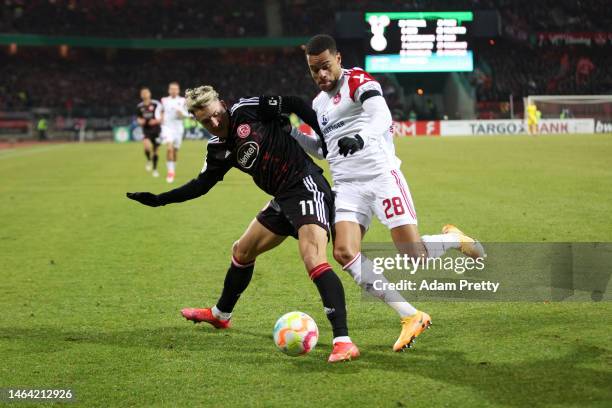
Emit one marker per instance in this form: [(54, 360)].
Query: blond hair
[(200, 97)]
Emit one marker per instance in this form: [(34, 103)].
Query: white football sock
[(342, 339), (170, 166), (362, 271), (219, 314), (437, 245)]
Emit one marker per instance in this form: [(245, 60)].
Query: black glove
[(349, 145), (149, 199)]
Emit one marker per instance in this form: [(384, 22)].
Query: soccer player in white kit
[(358, 143), (172, 129)]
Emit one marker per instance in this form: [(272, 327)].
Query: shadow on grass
[(561, 381), (186, 337), (564, 380)]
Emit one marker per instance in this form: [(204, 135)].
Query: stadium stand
[(134, 18), (108, 85), (302, 16), (524, 60)]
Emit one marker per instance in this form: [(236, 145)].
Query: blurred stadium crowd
[(103, 82), (507, 69), (134, 18), (86, 83), (229, 18)]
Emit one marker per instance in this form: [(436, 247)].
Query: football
[(295, 333)]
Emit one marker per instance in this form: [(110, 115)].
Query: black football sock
[(148, 154), (155, 158), (236, 281), (332, 294)]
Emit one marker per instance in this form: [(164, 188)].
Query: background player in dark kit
[(248, 139), (149, 115)]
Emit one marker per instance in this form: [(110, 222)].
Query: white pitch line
[(24, 151)]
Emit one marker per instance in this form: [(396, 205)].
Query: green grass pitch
[(91, 285)]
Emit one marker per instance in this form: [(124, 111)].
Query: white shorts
[(172, 135), (387, 196)]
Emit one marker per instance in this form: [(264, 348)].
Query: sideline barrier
[(445, 128), (493, 127)]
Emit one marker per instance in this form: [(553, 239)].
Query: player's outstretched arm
[(145, 198), (193, 189), (215, 167)]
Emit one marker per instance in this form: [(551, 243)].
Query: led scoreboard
[(419, 42)]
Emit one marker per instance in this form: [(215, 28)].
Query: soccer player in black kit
[(254, 137), (148, 116)]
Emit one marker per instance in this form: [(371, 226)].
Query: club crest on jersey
[(243, 130), (337, 99), (324, 120), (247, 154)]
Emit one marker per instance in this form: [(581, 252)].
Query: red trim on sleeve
[(357, 77)]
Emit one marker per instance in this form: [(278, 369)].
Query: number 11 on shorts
[(310, 207)]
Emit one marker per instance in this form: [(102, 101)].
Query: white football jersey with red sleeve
[(340, 114), (172, 106)]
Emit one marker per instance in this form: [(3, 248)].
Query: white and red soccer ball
[(296, 333)]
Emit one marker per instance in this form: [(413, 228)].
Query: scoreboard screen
[(419, 42)]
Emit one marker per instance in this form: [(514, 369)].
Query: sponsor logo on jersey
[(243, 131), (337, 98), (247, 154), (324, 120), (333, 127)]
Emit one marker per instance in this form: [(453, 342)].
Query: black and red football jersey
[(150, 111)]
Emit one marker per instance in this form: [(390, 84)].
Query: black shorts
[(153, 137), (310, 201)]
